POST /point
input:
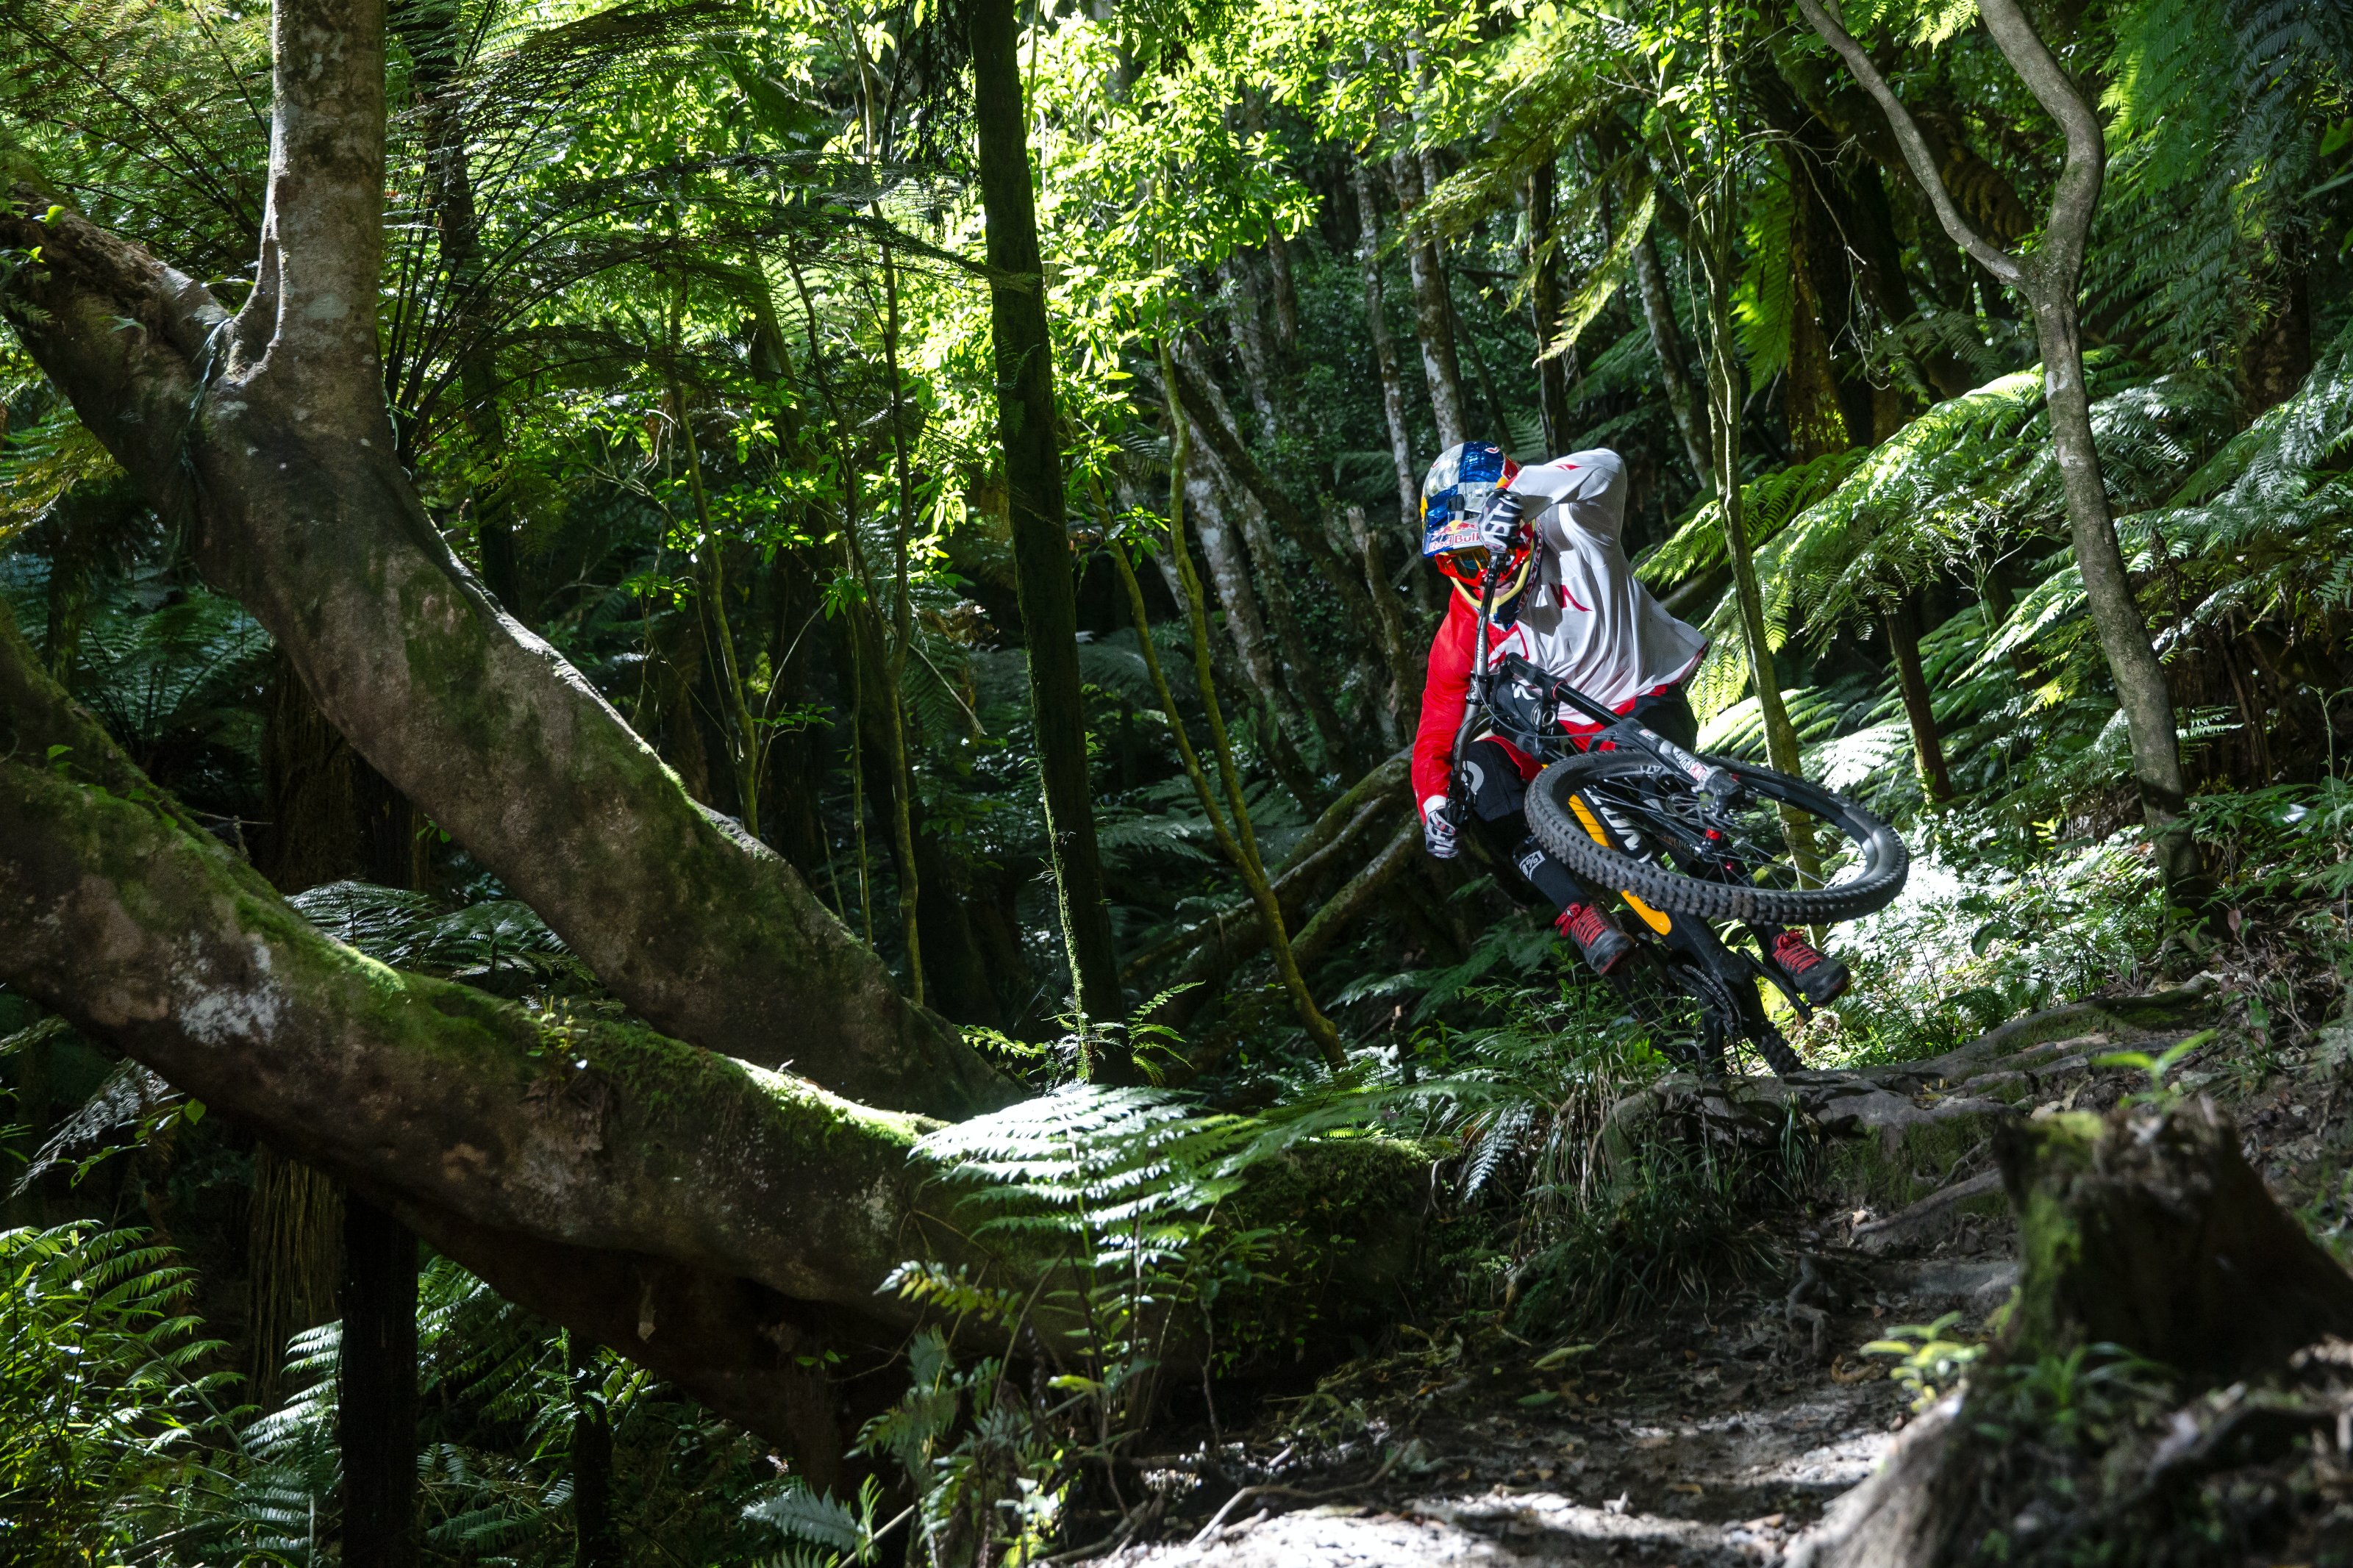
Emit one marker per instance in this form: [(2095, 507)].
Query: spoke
[(1749, 844)]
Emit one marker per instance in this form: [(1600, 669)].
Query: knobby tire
[(1885, 861)]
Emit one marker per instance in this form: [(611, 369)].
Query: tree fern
[(1769, 501), (2266, 526), (150, 115), (43, 465), (499, 942), (2216, 107), (107, 1418)]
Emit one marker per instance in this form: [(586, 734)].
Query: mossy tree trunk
[(2147, 1229), (334, 817), (2144, 1229), (726, 1225), (265, 435), (1433, 313), (706, 1213)]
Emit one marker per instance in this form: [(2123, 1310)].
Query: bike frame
[(1725, 984)]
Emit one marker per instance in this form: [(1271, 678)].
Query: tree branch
[(121, 333), (311, 315), (2076, 195), (1916, 155)]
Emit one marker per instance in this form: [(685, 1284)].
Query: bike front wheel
[(1623, 819)]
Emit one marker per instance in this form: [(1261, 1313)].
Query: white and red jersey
[(1584, 618)]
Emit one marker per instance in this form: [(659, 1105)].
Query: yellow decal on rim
[(1651, 917)]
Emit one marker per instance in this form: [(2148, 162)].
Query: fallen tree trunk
[(1216, 947), (1298, 873), (718, 1221), (1342, 910), (1355, 896)]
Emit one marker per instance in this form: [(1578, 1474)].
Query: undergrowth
[(1679, 1228), (123, 1441)]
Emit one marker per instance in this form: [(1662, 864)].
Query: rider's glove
[(1438, 830), (1499, 525)]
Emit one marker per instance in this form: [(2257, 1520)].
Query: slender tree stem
[(2050, 278), (1030, 431), (1716, 223), (718, 635), (1392, 374), (857, 761), (902, 637), (1903, 618), (855, 559), (1243, 838), (1692, 420)]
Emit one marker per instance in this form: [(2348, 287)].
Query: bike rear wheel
[(1716, 856)]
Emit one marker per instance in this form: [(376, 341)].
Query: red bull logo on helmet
[(1455, 492)]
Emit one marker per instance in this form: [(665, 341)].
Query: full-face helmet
[(1453, 496)]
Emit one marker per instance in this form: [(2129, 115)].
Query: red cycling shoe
[(1597, 936), (1820, 978)]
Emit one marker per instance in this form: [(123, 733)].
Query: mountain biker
[(1567, 601)]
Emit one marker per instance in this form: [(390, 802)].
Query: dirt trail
[(1715, 1438), (1712, 1443)]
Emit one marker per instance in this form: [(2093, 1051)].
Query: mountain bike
[(1700, 848)]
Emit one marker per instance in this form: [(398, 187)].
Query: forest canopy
[(708, 841)]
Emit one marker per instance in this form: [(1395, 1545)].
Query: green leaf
[(803, 1514)]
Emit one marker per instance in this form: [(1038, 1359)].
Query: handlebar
[(1703, 774)]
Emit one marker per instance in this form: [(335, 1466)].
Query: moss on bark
[(2146, 1228)]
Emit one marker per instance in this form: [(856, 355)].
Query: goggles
[(1467, 569)]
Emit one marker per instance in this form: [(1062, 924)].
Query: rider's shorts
[(1495, 787)]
